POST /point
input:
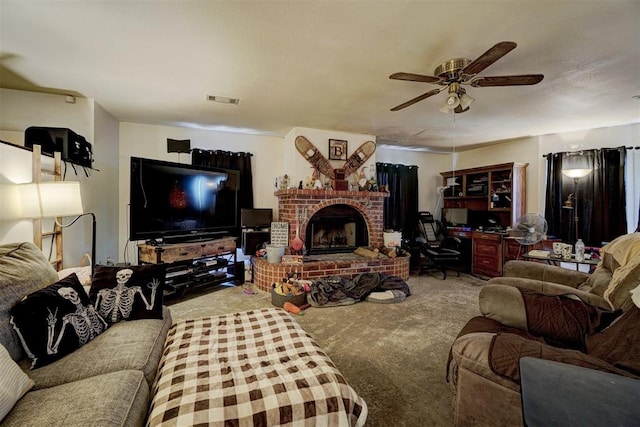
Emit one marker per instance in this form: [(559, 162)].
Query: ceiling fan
[(456, 72)]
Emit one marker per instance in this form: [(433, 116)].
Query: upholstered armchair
[(548, 312)]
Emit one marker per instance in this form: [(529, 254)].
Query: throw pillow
[(128, 293), (14, 383), (624, 279), (55, 321), (23, 269), (597, 282)]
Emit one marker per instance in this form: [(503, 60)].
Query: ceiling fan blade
[(416, 99), (489, 57), (525, 79), (415, 77)]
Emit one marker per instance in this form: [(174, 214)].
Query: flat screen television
[(179, 202), (256, 218), (455, 216)]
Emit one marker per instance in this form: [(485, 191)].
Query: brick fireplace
[(307, 203), (364, 213)]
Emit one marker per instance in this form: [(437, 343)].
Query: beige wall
[(299, 169), (106, 193), (150, 141), (18, 111), (429, 167)]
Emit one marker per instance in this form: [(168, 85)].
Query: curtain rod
[(576, 152)]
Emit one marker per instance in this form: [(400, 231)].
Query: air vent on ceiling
[(223, 99)]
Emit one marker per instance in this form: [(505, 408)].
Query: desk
[(555, 260), (558, 394)]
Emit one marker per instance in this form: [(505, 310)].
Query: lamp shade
[(576, 173), (466, 101), (20, 201), (28, 201), (60, 198)]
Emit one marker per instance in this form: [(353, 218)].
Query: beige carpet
[(393, 355)]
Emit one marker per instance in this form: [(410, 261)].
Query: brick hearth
[(345, 265)]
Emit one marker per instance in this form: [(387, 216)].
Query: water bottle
[(579, 249)]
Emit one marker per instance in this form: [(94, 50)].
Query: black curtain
[(601, 195), (240, 161), (401, 207), (559, 219)]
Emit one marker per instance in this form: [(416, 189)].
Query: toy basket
[(279, 300)]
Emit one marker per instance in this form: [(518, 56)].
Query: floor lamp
[(62, 198), (576, 174)]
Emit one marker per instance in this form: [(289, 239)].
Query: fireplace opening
[(336, 229)]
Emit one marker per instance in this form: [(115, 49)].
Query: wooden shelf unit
[(499, 189)]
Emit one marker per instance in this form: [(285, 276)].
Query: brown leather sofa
[(569, 325)]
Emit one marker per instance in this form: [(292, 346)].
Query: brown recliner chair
[(487, 396)]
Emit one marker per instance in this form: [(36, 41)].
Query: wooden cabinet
[(155, 254), (498, 189), (514, 250), (486, 254)]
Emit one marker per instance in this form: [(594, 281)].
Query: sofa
[(105, 382), (548, 312)]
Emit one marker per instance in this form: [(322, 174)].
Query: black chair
[(445, 257), (430, 229), (440, 252)]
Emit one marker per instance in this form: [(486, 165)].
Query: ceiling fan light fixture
[(453, 100), (466, 101), (462, 71), (445, 109)]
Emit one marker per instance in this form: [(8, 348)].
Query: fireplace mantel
[(326, 194)]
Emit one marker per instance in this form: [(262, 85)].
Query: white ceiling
[(326, 64)]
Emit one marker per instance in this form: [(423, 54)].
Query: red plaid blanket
[(256, 368)]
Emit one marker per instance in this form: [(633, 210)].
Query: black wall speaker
[(73, 148), (178, 145)]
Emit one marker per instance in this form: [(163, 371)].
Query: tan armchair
[(484, 395)]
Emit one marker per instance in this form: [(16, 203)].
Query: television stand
[(194, 264), (194, 238)]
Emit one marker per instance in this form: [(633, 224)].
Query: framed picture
[(337, 149)]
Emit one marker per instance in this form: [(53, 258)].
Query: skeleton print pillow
[(54, 321), (127, 293)]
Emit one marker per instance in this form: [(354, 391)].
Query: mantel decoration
[(337, 149), (338, 176)]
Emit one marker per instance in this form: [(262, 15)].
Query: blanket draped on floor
[(336, 290)]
